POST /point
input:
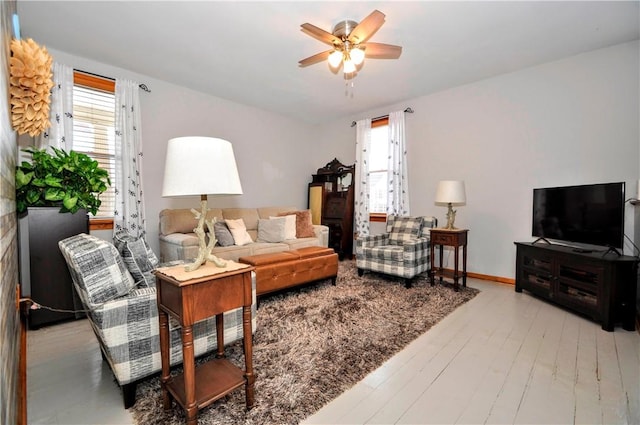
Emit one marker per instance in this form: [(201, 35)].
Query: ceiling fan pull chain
[(349, 88)]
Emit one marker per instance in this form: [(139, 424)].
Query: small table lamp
[(201, 166), (451, 192)]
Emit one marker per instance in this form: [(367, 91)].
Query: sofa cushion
[(222, 233), (289, 226), (239, 231), (402, 229), (271, 230), (304, 226), (97, 269)]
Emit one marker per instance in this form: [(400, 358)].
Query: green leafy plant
[(70, 180)]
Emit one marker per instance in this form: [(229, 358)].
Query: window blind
[(94, 134)]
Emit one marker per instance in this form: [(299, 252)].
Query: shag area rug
[(313, 343)]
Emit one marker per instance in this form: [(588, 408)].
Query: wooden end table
[(191, 300), (455, 238)]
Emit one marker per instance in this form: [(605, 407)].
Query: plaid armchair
[(402, 251), (118, 290)]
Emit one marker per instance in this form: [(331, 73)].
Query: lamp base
[(451, 217), (204, 248)]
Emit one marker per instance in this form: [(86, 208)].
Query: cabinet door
[(579, 286), (536, 272), (316, 194)]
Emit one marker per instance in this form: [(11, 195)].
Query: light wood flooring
[(501, 358)]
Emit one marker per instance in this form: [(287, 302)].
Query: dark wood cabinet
[(331, 204), (44, 275), (599, 286)]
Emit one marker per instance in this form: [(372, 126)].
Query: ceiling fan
[(349, 44)]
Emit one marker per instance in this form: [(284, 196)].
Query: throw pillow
[(289, 226), (222, 233), (304, 226), (239, 231), (404, 229), (272, 230), (136, 255)]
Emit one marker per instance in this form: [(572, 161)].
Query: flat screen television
[(590, 214)]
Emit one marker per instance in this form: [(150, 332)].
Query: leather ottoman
[(291, 268)]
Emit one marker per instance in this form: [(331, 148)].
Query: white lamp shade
[(451, 191), (357, 55), (335, 58), (200, 166), (349, 67)]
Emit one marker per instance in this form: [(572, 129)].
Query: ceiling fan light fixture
[(335, 58), (349, 41), (357, 55)]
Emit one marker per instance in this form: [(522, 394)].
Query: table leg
[(248, 356), (220, 335), (464, 265), (455, 270), (432, 278), (189, 375), (163, 318), (440, 262)]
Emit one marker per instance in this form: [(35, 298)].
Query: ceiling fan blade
[(320, 34), (382, 51), (319, 57), (367, 27)]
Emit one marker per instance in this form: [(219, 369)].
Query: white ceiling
[(248, 52)]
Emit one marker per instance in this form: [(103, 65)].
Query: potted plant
[(71, 181), (54, 193)]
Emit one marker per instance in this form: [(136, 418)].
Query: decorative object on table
[(349, 44), (451, 192), (333, 336), (201, 166), (70, 181), (30, 87)]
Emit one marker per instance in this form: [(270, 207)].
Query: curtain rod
[(408, 111), (142, 86)]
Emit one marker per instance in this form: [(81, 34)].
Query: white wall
[(271, 150), (574, 121)]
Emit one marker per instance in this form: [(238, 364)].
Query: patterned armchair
[(118, 290), (402, 251)]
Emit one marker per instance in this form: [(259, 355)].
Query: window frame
[(108, 85)]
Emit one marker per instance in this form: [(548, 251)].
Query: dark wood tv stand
[(600, 287)]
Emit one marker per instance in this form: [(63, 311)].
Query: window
[(94, 128), (378, 154)]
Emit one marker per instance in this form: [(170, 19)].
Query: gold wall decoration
[(31, 82)]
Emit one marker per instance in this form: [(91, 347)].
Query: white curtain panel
[(363, 142), (398, 176), (129, 202), (60, 134)]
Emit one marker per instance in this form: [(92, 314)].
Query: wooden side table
[(455, 238), (211, 291)]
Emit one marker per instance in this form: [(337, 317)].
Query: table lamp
[(201, 166), (451, 192)]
